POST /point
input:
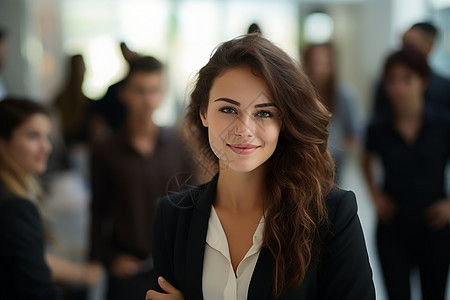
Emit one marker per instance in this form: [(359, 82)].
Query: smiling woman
[(24, 149), (29, 146), (241, 120), (24, 144), (270, 223)]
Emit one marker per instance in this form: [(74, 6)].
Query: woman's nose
[(244, 126)]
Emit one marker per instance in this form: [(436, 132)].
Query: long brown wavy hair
[(300, 172)]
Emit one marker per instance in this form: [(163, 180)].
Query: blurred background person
[(73, 119), (412, 207), (72, 105), (131, 170), (67, 185), (346, 122), (24, 149), (109, 112), (420, 36), (2, 61)]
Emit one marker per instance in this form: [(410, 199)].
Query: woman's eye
[(228, 110), (264, 114)]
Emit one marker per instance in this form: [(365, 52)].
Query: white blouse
[(219, 280)]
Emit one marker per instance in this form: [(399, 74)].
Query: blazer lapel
[(261, 283), (197, 239)]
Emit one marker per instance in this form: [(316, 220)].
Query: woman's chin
[(239, 166)]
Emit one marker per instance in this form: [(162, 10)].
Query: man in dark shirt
[(130, 171), (413, 209), (420, 36)]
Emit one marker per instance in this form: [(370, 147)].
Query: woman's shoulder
[(342, 208), (20, 220), (344, 271), (21, 230), (17, 213), (12, 204)]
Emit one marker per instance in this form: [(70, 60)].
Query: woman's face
[(243, 122), (321, 65), (29, 146), (403, 86)]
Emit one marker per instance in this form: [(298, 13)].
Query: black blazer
[(23, 271), (181, 225)]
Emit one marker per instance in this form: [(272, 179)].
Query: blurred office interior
[(42, 34)]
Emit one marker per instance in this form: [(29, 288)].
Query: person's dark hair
[(410, 58), (254, 28), (14, 112), (327, 93), (147, 64), (427, 28), (300, 172)]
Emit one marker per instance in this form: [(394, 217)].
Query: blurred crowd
[(109, 163)]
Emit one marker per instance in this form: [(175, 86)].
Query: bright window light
[(181, 33), (440, 4), (318, 28)]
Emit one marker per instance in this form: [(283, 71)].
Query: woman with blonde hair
[(270, 224), (24, 150)]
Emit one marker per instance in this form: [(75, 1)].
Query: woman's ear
[(204, 118)]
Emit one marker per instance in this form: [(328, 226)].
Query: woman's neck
[(240, 192), (18, 181)]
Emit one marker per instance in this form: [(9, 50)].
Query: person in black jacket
[(270, 224), (24, 149), (413, 144)]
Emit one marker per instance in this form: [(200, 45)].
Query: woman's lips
[(243, 149)]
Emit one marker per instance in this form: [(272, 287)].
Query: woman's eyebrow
[(229, 101), (265, 105), (234, 102)]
